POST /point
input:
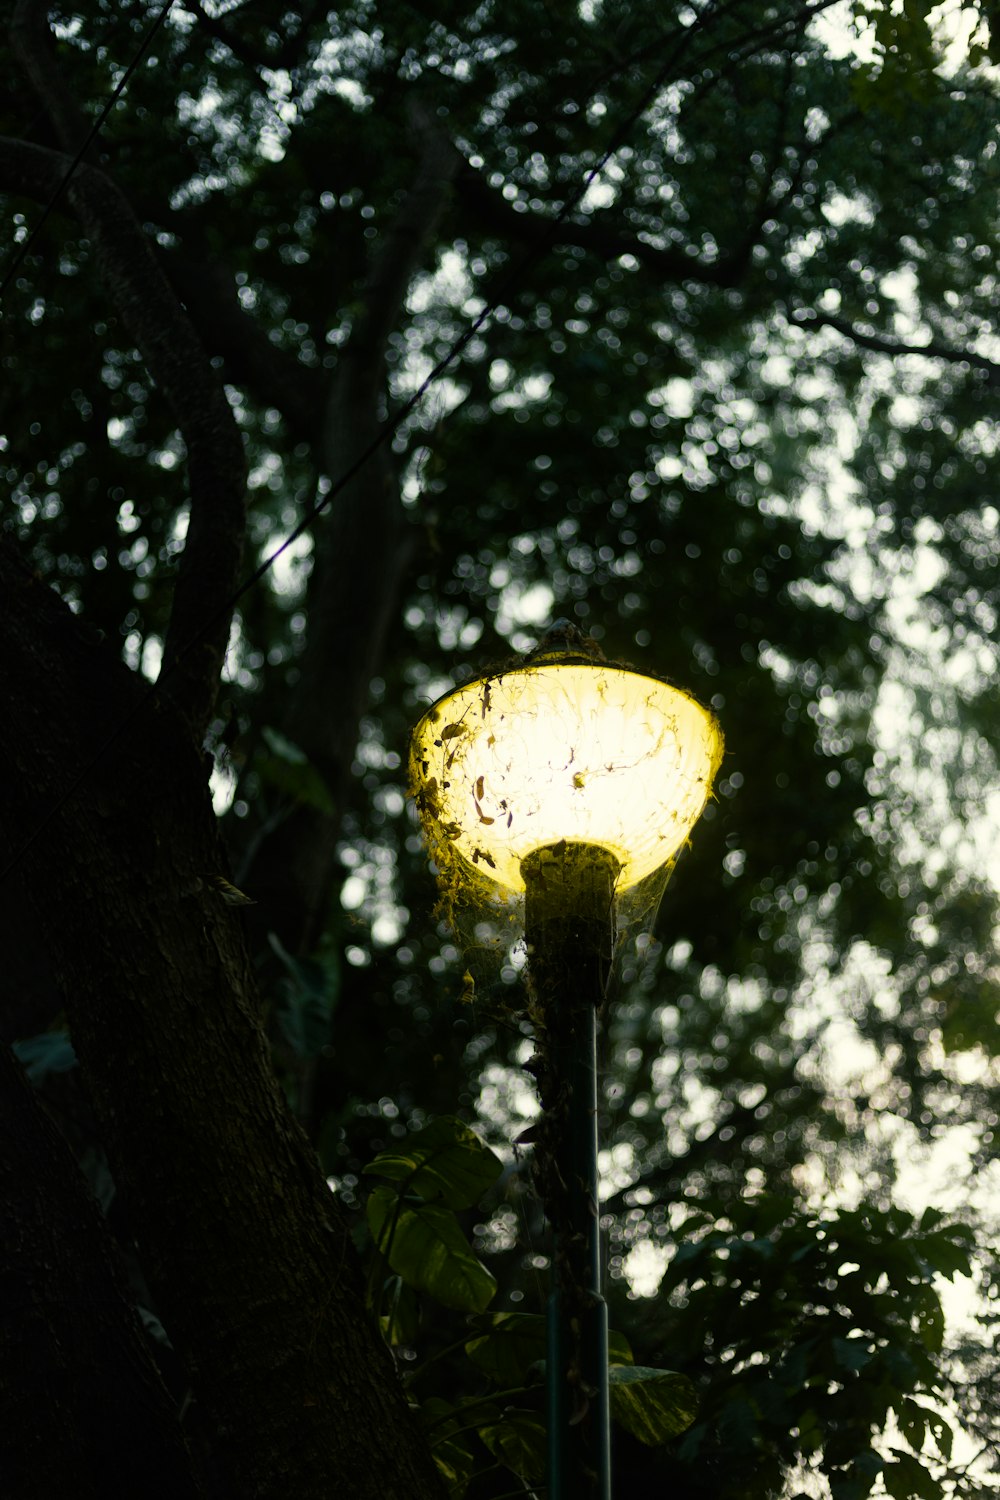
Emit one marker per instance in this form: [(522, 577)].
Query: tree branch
[(273, 375), (202, 283), (288, 55), (362, 550), (362, 543), (539, 230), (805, 317), (32, 43), (740, 259), (198, 632)]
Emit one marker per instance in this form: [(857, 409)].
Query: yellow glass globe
[(585, 752)]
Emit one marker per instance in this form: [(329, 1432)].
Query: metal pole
[(569, 927)]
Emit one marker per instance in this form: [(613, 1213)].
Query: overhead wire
[(393, 424), (389, 428)]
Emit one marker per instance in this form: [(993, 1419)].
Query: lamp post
[(561, 789)]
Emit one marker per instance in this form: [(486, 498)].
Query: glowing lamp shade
[(578, 751)]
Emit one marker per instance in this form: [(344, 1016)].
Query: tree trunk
[(104, 794), (363, 547), (83, 1411)]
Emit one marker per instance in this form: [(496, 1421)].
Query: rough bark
[(28, 999), (240, 1239), (71, 1345)]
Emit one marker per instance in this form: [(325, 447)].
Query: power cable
[(385, 433), (456, 348)]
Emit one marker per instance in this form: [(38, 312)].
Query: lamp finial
[(563, 638)]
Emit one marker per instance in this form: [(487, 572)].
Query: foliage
[(446, 1163), (848, 1306)]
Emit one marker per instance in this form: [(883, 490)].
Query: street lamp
[(565, 784)]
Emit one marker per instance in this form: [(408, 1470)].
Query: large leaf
[(400, 1315), (455, 1464), (452, 1455), (425, 1245), (49, 1052), (517, 1439), (855, 1483), (929, 1317), (289, 769), (511, 1343), (905, 1478), (653, 1405), (309, 996), (94, 1165), (949, 1250), (446, 1162), (851, 1354)]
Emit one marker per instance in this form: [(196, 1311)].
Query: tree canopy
[(343, 352)]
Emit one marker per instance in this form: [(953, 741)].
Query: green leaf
[(289, 769), (930, 1319), (810, 1432), (619, 1349), (905, 1478), (309, 998), (446, 1162), (438, 1415), (454, 1460), (856, 1482), (851, 1354), (738, 1423), (400, 1319), (455, 1464), (152, 1325), (912, 1419), (426, 1247), (653, 1405), (518, 1441), (507, 1350), (942, 1433), (949, 1250), (511, 1343), (283, 747), (94, 1165), (49, 1052)]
